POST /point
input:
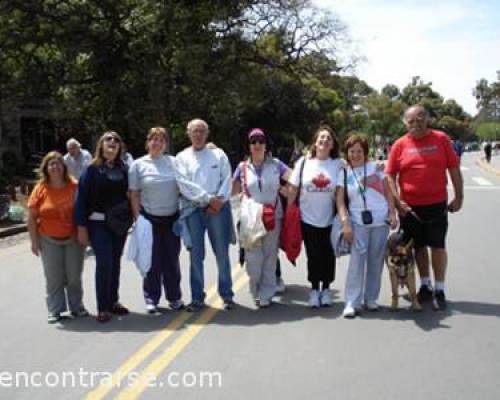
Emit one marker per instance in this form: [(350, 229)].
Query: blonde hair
[(98, 156)]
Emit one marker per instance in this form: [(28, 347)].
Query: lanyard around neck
[(361, 188)]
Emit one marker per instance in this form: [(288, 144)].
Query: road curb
[(14, 230), (487, 167)]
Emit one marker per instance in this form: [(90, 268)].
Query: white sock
[(440, 285), (426, 281)]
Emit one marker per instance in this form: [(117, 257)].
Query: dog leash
[(430, 221)]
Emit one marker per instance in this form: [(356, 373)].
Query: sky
[(451, 43)]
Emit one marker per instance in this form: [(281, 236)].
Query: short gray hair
[(197, 121), (71, 142)]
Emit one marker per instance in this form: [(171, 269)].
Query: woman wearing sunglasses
[(102, 187), (258, 178)]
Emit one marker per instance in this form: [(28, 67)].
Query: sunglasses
[(255, 141), (112, 139)]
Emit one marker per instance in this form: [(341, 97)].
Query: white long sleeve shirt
[(202, 174)]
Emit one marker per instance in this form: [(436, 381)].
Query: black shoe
[(195, 306), (424, 294), (229, 304), (440, 300)]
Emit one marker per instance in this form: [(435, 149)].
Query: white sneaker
[(326, 298), (314, 299), (280, 286), (349, 312), (151, 309)]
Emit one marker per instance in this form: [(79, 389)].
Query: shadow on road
[(133, 322), (290, 307)]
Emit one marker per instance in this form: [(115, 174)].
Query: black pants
[(320, 256)]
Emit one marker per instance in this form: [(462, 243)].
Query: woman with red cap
[(258, 178)]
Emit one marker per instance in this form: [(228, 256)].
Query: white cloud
[(452, 44)]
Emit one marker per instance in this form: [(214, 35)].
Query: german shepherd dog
[(400, 260)]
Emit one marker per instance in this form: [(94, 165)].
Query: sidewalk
[(8, 228)]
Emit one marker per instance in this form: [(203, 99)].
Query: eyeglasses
[(112, 139), (255, 141)]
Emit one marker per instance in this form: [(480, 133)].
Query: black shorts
[(432, 227)]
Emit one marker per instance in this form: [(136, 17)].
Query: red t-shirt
[(421, 164)]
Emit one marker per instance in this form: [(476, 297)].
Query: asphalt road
[(285, 352)]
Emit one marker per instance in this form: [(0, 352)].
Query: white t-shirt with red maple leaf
[(317, 195)]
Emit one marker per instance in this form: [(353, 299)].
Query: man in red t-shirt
[(417, 165)]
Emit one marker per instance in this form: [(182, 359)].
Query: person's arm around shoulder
[(294, 181), (236, 182), (81, 206), (134, 193)]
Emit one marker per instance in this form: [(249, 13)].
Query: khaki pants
[(62, 264)]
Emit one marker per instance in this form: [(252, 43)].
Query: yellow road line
[(140, 355), (155, 368)]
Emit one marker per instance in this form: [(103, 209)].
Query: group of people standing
[(180, 198)]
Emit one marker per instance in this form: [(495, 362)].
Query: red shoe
[(103, 316), (118, 309)]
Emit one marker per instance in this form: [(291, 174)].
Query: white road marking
[(482, 181), (462, 168)]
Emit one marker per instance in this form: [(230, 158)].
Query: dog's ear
[(407, 247)]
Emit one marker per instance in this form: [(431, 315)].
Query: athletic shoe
[(53, 318), (176, 305), (280, 286), (152, 309), (326, 298), (440, 300), (195, 306), (424, 294), (349, 312), (313, 299)]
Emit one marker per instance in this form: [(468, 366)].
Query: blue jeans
[(218, 227), (108, 249)]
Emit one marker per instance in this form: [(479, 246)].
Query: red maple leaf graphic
[(321, 181), (374, 182)]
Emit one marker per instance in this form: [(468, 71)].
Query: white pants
[(261, 265), (365, 267)]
